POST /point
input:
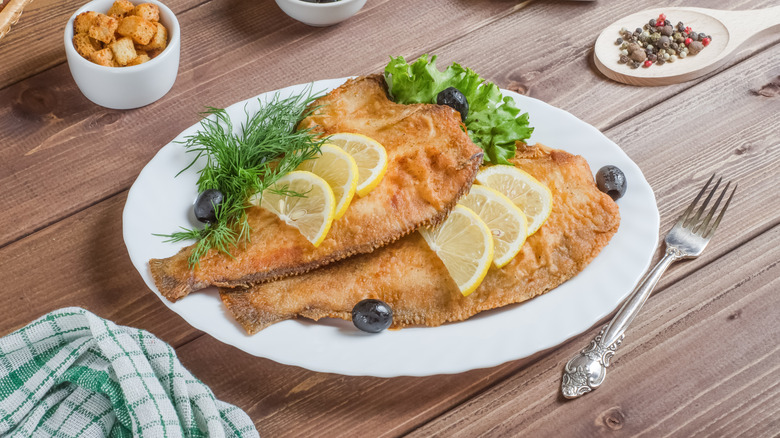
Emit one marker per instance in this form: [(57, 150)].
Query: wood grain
[(82, 261), (705, 346), (291, 401), (728, 29), (682, 362), (695, 164), (743, 150), (559, 71), (52, 128), (747, 139), (10, 13), (36, 44), (54, 132)]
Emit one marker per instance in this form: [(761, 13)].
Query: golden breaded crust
[(431, 163), (415, 283)]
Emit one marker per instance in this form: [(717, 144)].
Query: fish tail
[(251, 317), (170, 285)]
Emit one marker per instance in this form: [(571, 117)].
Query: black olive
[(611, 181), (207, 204), (372, 316), (452, 97)]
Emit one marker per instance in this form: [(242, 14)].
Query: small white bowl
[(125, 87), (320, 14)]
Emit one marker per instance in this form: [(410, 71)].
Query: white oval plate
[(159, 202)]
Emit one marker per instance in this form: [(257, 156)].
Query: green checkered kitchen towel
[(74, 374)]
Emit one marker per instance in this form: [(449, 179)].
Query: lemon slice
[(506, 221), (465, 245), (370, 156), (312, 214), (339, 170), (533, 197)]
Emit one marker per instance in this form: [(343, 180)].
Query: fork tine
[(708, 233), (684, 217), (703, 225), (692, 223)]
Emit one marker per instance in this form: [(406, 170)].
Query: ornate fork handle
[(586, 371)]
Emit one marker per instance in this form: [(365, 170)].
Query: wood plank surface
[(82, 261), (682, 362), (35, 43), (291, 401), (755, 172), (552, 62), (54, 133), (53, 128), (701, 360)]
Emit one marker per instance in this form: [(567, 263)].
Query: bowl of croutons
[(121, 54)]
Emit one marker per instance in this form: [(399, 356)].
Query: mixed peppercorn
[(658, 42)]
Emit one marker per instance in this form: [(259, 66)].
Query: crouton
[(85, 45), (135, 27), (147, 11), (125, 35), (120, 8), (103, 57), (123, 49), (83, 22), (153, 53), (103, 28), (159, 40), (140, 59)]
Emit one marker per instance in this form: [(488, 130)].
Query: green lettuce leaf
[(494, 122)]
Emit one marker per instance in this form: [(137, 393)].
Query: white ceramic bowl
[(320, 14), (125, 87)]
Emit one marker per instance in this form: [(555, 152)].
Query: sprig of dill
[(243, 165)]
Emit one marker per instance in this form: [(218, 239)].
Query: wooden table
[(703, 357)]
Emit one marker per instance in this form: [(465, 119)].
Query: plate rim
[(575, 330)]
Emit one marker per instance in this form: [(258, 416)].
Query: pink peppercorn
[(687, 29), (688, 41), (647, 63), (705, 42)]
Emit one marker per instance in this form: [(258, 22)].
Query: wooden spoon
[(729, 30), (10, 14)]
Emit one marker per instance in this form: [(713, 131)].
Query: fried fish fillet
[(431, 163), (414, 282)]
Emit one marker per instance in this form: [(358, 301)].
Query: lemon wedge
[(370, 156), (339, 170), (533, 197), (506, 221), (312, 214), (465, 245)]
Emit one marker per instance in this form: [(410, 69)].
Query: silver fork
[(687, 239)]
